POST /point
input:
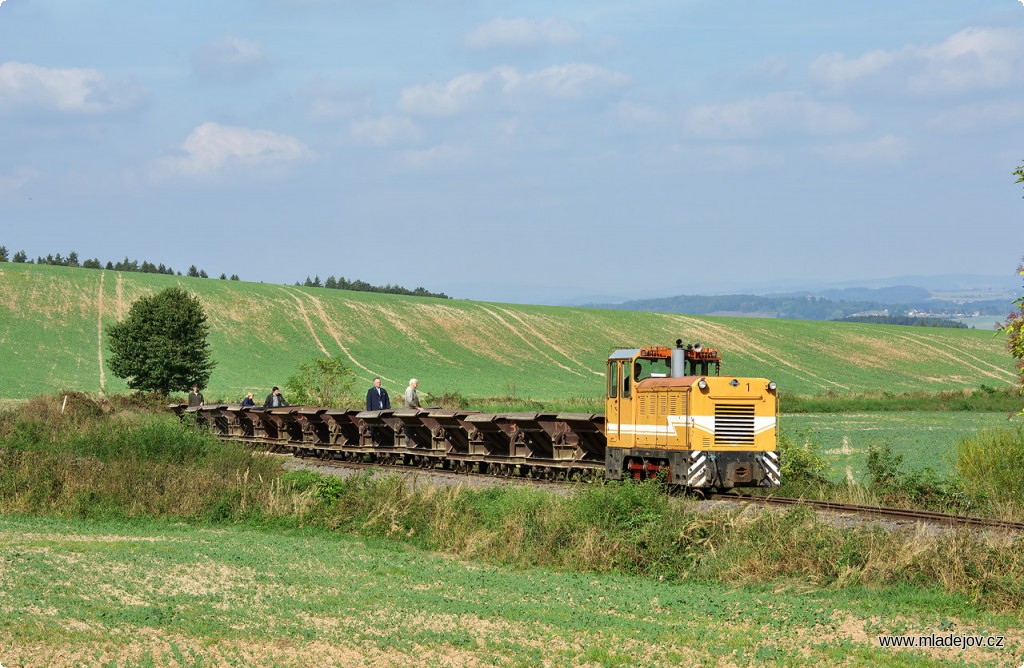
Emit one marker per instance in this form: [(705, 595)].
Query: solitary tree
[(161, 346), (3, 253)]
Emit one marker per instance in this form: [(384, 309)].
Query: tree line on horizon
[(343, 283), (145, 267)]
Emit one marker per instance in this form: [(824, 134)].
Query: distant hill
[(802, 306), (53, 323)]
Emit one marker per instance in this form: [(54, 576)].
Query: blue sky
[(533, 152)]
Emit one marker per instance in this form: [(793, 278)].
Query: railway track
[(929, 516)]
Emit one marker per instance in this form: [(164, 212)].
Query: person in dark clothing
[(377, 398), (275, 399), (195, 397), (248, 401)]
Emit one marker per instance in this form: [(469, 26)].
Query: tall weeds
[(99, 461)]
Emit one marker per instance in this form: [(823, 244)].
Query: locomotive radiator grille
[(734, 424)]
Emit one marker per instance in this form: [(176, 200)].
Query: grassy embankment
[(88, 463), (52, 320)]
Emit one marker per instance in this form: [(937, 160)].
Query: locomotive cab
[(669, 411)]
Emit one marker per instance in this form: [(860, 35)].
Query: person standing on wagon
[(412, 398), (377, 398)]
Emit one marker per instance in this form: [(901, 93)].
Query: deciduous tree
[(322, 382), (1014, 325), (161, 345)]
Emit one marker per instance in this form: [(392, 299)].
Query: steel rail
[(416, 470), (878, 511)]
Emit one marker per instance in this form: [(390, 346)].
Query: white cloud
[(502, 32), (774, 114), (17, 181), (384, 131), (213, 147), (230, 59), (26, 87), (888, 149), (972, 59), (979, 117), (508, 86)]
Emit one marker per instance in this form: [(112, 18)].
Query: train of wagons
[(668, 412)]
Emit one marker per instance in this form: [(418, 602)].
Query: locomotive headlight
[(771, 385), (702, 384)]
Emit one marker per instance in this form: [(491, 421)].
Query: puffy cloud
[(213, 147), (502, 32), (30, 88), (888, 149), (774, 114), (230, 59), (508, 86), (972, 59)]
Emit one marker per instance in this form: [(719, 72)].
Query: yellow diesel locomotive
[(669, 411)]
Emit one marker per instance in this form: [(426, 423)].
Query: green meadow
[(112, 593), (53, 319), (925, 439)]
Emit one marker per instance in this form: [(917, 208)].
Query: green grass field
[(52, 322), (926, 439), (157, 594)]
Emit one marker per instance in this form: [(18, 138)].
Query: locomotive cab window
[(651, 368), (613, 380)]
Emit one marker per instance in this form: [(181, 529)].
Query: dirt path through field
[(959, 355), (528, 342), (746, 346), (333, 331), (309, 324), (99, 334), (119, 295), (546, 341)]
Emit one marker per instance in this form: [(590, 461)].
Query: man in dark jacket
[(195, 397), (377, 398), (275, 399)]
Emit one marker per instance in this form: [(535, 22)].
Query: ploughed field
[(53, 319)]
